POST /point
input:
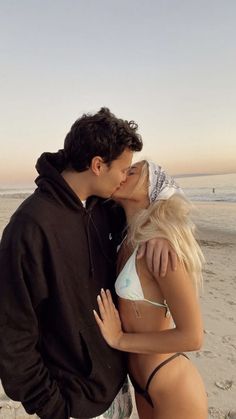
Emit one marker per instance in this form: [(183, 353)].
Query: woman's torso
[(142, 316)]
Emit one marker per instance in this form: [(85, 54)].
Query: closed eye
[(132, 171)]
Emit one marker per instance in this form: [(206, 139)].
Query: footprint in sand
[(207, 272), (208, 354), (232, 360), (208, 332), (224, 385), (217, 413), (230, 340)]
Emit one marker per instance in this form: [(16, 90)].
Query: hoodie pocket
[(101, 360)]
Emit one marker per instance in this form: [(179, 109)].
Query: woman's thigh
[(144, 409)]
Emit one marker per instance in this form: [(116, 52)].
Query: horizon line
[(23, 184), (196, 174)]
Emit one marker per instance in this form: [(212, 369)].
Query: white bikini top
[(128, 284)]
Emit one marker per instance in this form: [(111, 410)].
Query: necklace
[(125, 249), (122, 241)]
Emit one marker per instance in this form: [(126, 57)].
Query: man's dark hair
[(101, 134)]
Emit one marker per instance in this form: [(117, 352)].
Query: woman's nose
[(124, 179)]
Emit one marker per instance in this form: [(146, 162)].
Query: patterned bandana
[(161, 186)]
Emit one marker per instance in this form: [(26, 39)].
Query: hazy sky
[(170, 65)]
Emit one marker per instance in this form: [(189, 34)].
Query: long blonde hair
[(170, 219)]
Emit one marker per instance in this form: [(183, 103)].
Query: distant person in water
[(166, 383)]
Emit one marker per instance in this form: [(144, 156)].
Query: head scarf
[(161, 186)]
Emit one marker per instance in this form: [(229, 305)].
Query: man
[(57, 252)]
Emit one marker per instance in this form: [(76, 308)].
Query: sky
[(169, 65)]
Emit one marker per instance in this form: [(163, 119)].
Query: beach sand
[(217, 358)]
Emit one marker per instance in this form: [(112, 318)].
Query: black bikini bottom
[(144, 392)]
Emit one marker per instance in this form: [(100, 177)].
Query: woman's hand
[(109, 320)]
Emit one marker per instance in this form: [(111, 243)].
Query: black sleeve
[(24, 375)]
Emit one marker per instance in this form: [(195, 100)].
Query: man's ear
[(97, 165)]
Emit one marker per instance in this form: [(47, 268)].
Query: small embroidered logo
[(110, 236)]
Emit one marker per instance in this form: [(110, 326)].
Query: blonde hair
[(170, 219)]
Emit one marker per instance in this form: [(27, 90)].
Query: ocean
[(213, 196), (211, 188)]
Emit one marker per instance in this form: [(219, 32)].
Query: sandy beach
[(217, 358)]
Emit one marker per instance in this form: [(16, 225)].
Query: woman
[(167, 385)]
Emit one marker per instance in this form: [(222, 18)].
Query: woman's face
[(131, 189)]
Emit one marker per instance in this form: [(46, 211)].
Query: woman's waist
[(140, 317), (143, 361), (140, 366)]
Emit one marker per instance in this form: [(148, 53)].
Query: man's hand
[(158, 253)]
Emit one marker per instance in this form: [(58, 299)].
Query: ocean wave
[(227, 197), (17, 195), (207, 199)]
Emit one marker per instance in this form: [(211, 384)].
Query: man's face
[(133, 189), (112, 177)]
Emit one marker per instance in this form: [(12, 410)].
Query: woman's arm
[(187, 335)]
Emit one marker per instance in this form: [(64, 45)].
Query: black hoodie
[(55, 257)]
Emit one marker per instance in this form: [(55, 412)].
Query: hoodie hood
[(50, 181)]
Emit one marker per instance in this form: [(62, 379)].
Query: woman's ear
[(97, 165)]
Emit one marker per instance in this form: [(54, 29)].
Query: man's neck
[(78, 182)]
